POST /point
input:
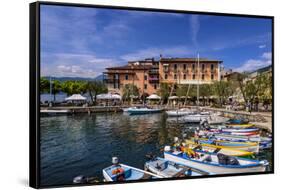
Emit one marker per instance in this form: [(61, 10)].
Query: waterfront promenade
[(262, 120)]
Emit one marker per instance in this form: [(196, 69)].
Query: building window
[(145, 77), (166, 76), (145, 86), (166, 68), (203, 67), (193, 76), (212, 67), (126, 77), (184, 76), (203, 77), (184, 66), (212, 77), (175, 76), (175, 67), (155, 86), (193, 67)]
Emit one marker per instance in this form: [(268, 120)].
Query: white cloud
[(221, 44), (155, 52), (262, 46), (74, 65), (254, 64), (195, 27), (267, 55)]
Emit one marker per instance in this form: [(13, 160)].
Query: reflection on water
[(83, 144)]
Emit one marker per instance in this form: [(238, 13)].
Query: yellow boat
[(247, 146), (219, 149), (240, 125)]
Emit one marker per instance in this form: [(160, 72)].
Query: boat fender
[(167, 148)]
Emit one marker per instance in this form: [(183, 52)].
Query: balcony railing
[(153, 71), (153, 80), (110, 81)]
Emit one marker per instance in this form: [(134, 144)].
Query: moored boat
[(240, 125), (143, 110), (216, 163), (218, 149), (238, 121), (264, 142), (167, 168), (194, 118), (247, 146), (122, 172), (179, 112)]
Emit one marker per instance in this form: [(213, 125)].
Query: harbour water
[(84, 144)]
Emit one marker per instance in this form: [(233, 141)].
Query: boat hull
[(216, 169)]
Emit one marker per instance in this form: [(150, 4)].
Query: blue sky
[(81, 42)]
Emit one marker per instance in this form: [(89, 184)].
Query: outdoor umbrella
[(173, 97), (76, 97), (108, 97), (154, 97)]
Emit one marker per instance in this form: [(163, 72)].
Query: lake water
[(84, 144)]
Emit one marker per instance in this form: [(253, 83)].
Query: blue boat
[(122, 172), (237, 121), (166, 168)]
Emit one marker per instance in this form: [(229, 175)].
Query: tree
[(44, 85), (56, 88), (164, 92), (94, 88), (74, 87), (206, 91), (130, 90), (223, 89)]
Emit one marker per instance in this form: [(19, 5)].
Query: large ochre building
[(147, 74)]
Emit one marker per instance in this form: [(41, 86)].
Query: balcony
[(111, 81), (153, 80), (153, 72)]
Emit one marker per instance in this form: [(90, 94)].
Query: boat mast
[(50, 79), (198, 71)]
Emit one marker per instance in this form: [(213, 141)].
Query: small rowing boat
[(264, 142), (237, 121), (218, 149), (122, 172), (166, 168), (240, 125), (246, 146), (216, 163)]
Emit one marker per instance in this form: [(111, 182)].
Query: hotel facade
[(148, 74)]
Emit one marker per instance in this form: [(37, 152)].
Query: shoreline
[(262, 120)]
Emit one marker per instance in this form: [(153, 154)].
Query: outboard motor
[(80, 179), (204, 123), (115, 161)]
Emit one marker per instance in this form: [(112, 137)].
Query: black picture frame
[(34, 93)]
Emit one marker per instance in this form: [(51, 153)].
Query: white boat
[(54, 112), (216, 163), (168, 169), (122, 172), (126, 109), (143, 110), (195, 118), (179, 112), (215, 120)]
